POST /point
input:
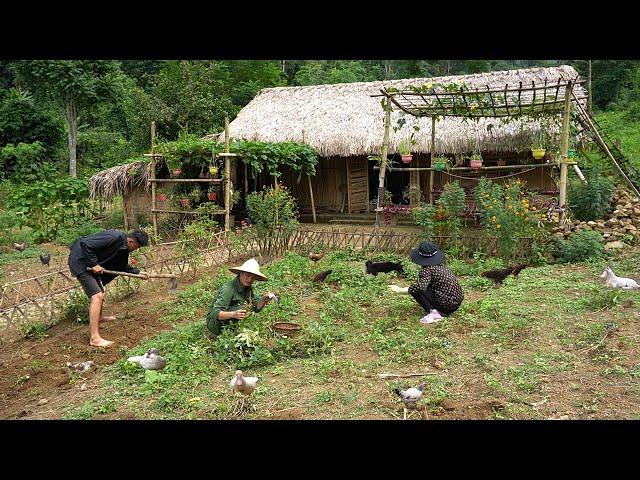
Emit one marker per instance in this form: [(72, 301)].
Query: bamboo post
[(153, 184), (246, 182), (565, 151), (433, 149), (383, 160), (590, 97), (313, 205), (227, 173)]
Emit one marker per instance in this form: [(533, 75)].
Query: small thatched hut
[(346, 125), (132, 182)]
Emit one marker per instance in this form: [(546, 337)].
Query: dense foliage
[(593, 200)]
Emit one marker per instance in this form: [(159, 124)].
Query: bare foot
[(101, 342), (110, 318)]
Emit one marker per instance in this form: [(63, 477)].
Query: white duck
[(150, 360), (618, 282), (242, 384), (410, 396)]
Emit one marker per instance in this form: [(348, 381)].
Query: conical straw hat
[(250, 266)]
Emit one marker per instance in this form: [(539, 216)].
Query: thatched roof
[(120, 179), (343, 119)]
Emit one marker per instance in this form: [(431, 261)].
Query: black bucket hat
[(426, 254)]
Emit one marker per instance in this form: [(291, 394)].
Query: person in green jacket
[(235, 297)]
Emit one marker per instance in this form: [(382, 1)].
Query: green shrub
[(76, 308), (581, 246), (271, 208), (68, 235), (34, 330), (424, 218), (593, 200)]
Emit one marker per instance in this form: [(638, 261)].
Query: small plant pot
[(162, 197), (213, 171), (212, 196), (460, 162), (176, 172), (406, 158), (502, 163), (476, 164), (185, 202), (538, 153), (571, 153), (440, 166)]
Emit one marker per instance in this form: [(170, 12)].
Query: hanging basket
[(406, 158), (213, 171), (571, 153), (538, 153), (440, 166)]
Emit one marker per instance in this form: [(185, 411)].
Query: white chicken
[(242, 384), (150, 360), (410, 397)]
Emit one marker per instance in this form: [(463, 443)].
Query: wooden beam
[(227, 172), (433, 149), (383, 160), (565, 152), (186, 180), (153, 184), (313, 205)]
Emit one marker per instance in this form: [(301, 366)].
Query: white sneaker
[(435, 314), (427, 319)]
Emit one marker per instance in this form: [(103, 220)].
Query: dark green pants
[(215, 325)]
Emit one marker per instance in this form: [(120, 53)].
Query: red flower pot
[(176, 172), (162, 197), (213, 196), (476, 164), (407, 158), (185, 202)]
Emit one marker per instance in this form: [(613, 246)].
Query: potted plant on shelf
[(195, 194), (502, 162), (476, 161), (404, 149), (459, 161), (175, 166), (212, 195), (162, 197), (538, 149), (213, 170), (185, 202), (440, 163)]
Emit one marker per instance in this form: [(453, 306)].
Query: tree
[(73, 85)]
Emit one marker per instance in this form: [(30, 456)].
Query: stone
[(83, 387), (636, 211), (559, 235), (43, 401), (606, 235), (591, 223), (630, 228), (600, 224), (614, 245), (627, 205)]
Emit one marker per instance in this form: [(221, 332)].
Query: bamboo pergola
[(514, 100)]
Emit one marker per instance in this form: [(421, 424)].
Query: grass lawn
[(555, 344)]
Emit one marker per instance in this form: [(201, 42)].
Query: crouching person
[(437, 289), (234, 296)]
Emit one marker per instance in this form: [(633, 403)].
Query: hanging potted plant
[(459, 161), (404, 149), (175, 166), (476, 161), (502, 162), (185, 201), (537, 149), (213, 170), (440, 163)]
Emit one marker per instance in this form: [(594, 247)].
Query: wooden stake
[(227, 172), (383, 160), (153, 184), (313, 205), (565, 152), (433, 149)]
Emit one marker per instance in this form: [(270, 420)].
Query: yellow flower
[(493, 218), (498, 226), (533, 208)]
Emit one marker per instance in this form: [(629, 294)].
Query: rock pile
[(622, 224)]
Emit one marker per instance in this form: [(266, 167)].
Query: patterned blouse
[(443, 283)]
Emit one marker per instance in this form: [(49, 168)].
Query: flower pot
[(213, 196), (162, 197), (460, 162), (440, 166), (407, 158), (185, 202), (502, 163), (571, 153), (476, 164), (176, 172), (538, 153), (213, 171)]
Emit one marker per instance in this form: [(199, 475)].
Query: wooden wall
[(136, 202)]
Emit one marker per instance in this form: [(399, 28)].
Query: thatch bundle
[(343, 119), (120, 179)]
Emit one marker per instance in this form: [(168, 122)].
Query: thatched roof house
[(131, 181), (346, 124), (344, 120)]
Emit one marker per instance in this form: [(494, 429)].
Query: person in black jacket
[(108, 250)]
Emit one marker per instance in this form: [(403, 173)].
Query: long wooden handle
[(137, 275)]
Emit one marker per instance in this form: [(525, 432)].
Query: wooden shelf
[(186, 180), (223, 154), (188, 212)]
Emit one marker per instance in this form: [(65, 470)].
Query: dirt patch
[(34, 370)]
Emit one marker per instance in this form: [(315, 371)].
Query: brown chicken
[(497, 275), (316, 256), (320, 277)]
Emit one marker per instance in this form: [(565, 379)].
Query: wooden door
[(358, 184)]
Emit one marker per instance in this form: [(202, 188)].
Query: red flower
[(134, 261)]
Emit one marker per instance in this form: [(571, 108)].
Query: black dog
[(377, 267)]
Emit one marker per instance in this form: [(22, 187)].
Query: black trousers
[(427, 300)]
